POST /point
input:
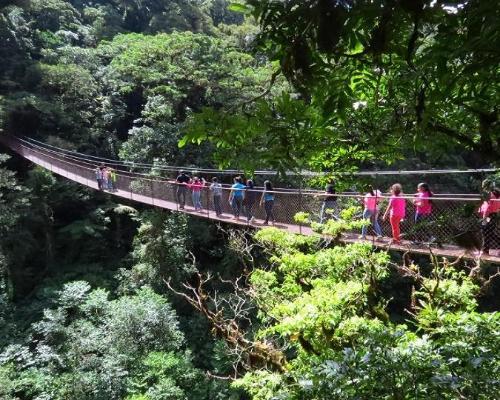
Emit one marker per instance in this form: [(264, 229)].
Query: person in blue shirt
[(267, 200), (236, 196)]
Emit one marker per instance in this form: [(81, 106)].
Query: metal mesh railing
[(454, 219)]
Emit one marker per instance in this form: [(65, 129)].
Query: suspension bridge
[(454, 224)]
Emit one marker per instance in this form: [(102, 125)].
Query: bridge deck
[(81, 176)]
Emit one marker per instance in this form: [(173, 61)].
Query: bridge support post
[(131, 188), (208, 201), (300, 202), (152, 192), (175, 188)]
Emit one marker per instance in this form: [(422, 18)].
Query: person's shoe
[(379, 238), (252, 220), (265, 223), (362, 237)]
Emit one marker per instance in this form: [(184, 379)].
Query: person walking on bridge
[(423, 211), (396, 210), (111, 179), (105, 177), (196, 185), (216, 189), (249, 200), (99, 176), (267, 200), (236, 196), (490, 223), (329, 202), (370, 213), (182, 182)]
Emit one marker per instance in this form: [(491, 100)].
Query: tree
[(327, 326), (398, 75), (90, 347), (164, 78)]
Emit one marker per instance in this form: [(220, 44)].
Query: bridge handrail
[(149, 178), (449, 220), (306, 192)]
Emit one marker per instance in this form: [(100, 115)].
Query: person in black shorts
[(329, 202), (182, 182)]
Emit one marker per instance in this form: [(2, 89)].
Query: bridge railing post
[(152, 182), (175, 188), (207, 195), (300, 203)]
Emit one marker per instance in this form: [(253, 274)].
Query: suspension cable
[(316, 194), (170, 168)]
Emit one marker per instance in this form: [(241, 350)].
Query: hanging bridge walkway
[(454, 224)]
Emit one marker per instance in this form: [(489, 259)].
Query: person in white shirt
[(216, 189)]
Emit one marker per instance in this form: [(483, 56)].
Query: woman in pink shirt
[(397, 211), (196, 186), (423, 209), (490, 213), (370, 212)]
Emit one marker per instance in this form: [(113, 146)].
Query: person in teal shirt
[(267, 200), (236, 196)]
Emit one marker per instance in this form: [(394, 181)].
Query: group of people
[(243, 196), (106, 178), (396, 211), (489, 212), (396, 208)]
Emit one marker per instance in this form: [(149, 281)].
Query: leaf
[(240, 8)]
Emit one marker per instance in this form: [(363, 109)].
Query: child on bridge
[(397, 211)]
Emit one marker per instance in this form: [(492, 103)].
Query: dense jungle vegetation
[(105, 300)]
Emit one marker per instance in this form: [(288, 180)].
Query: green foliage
[(261, 385), (13, 197), (281, 241), (55, 16), (283, 124), (365, 81), (177, 73), (91, 347), (327, 308), (372, 80), (160, 252), (156, 380)]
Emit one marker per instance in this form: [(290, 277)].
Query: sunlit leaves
[(329, 306), (423, 70)]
